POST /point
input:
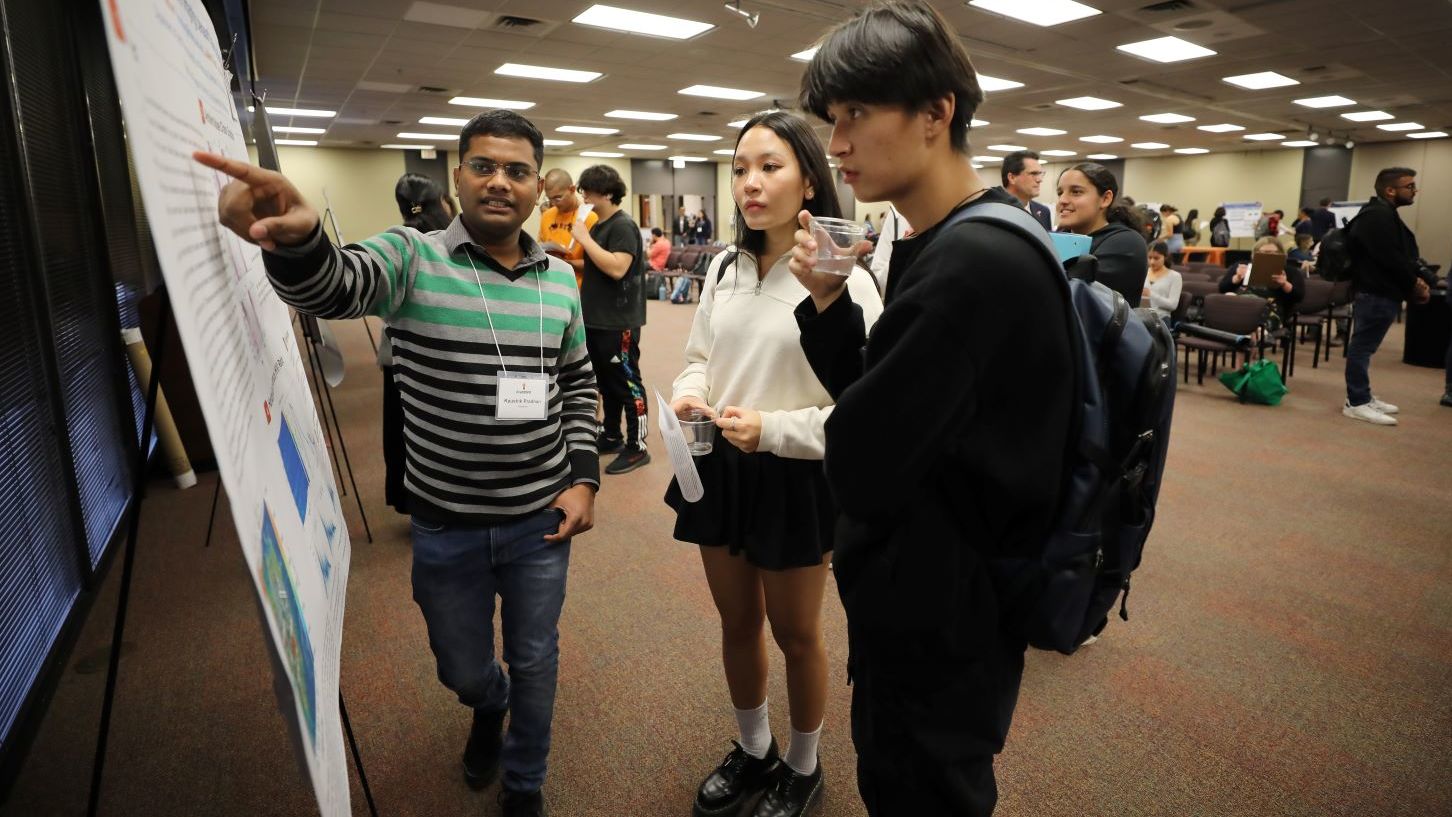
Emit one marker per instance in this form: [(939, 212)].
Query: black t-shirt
[(606, 302)]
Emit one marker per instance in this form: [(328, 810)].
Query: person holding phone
[(765, 524), (1287, 288)]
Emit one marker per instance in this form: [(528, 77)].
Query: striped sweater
[(463, 466)]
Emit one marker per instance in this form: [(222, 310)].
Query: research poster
[(176, 98), (1243, 217)]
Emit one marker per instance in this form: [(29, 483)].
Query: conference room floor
[(1289, 650)]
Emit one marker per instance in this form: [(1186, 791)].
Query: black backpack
[(1124, 396), (1333, 260), (1220, 234)]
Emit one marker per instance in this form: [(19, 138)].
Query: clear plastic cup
[(837, 240), (699, 426)]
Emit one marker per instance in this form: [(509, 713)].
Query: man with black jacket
[(964, 452), (1387, 269)]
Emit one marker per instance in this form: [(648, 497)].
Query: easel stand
[(133, 524), (320, 385)]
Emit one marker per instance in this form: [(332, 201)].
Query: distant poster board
[(1243, 217), (1345, 211)]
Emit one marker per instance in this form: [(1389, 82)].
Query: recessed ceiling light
[(688, 158), (1191, 151), (586, 129), (1087, 103), (409, 147), (1006, 148), (639, 146), (1260, 81), (1428, 134), (648, 116), (428, 136), (1299, 143), (1149, 145), (724, 152), (301, 112), (987, 83), (1264, 137), (1224, 127), (987, 158), (1059, 152), (805, 56), (514, 69), (1166, 49), (299, 142), (694, 137), (717, 92), (601, 154), (640, 22), (557, 143), (1101, 139), (1400, 126), (1325, 102), (1167, 118), (443, 120), (290, 129), (979, 123), (483, 102), (1102, 157), (1042, 131), (1367, 116), (1038, 12)]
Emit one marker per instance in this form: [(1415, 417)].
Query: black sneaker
[(739, 779), (1447, 398), (522, 803), (608, 444), (791, 794), (481, 755), (629, 460)]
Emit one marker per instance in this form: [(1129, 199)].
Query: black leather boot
[(481, 755), (521, 804), (791, 794), (738, 779)]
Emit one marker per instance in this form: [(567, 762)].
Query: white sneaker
[(1384, 408), (1369, 414)]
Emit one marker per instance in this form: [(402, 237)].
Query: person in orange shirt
[(555, 222)]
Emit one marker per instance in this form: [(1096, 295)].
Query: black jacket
[(1123, 259), (1384, 254)]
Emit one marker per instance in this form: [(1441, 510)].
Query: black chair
[(1314, 314), (1340, 310), (1232, 321)]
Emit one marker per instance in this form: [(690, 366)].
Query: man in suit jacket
[(683, 226), (1022, 176)]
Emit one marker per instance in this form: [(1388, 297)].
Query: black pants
[(394, 492), (615, 356)]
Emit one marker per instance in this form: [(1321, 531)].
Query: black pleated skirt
[(777, 511)]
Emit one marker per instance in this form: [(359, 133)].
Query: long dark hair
[(805, 145), (1104, 181), (420, 202)]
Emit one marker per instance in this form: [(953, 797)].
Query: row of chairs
[(691, 261)]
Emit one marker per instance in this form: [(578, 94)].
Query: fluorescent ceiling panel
[(1191, 151), (1102, 157), (1166, 49), (1088, 103), (1006, 148), (648, 116), (290, 129), (1367, 116), (1400, 126), (1223, 127), (805, 56), (1059, 152), (1102, 139), (688, 158), (1042, 131), (586, 129), (724, 152), (601, 154), (737, 124), (514, 69), (641, 22), (428, 136), (301, 112), (1428, 134), (1260, 81), (1299, 143), (638, 146), (1149, 145), (987, 83), (979, 123), (693, 137), (987, 158), (717, 92), (1325, 102), (485, 102), (1264, 137), (1167, 118), (1039, 12), (409, 147), (298, 142), (557, 143), (443, 120)]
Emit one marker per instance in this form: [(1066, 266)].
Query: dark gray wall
[(1325, 172), (656, 176), (436, 168)]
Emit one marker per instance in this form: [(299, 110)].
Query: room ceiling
[(373, 63)]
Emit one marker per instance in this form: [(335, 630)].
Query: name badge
[(522, 396)]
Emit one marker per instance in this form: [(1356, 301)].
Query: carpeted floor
[(1289, 650)]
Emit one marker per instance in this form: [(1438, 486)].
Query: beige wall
[(359, 184), (725, 204), (1431, 216)]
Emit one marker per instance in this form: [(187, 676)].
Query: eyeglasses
[(1037, 174), (517, 172)]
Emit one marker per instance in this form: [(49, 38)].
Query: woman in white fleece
[(765, 524)]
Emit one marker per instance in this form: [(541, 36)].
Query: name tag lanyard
[(490, 317)]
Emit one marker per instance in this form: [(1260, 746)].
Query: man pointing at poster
[(499, 419)]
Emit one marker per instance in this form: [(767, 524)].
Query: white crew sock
[(755, 730), (801, 756)]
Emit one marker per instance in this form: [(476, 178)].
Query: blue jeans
[(1373, 316), (457, 571)]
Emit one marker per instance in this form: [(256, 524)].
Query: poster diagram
[(176, 98)]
